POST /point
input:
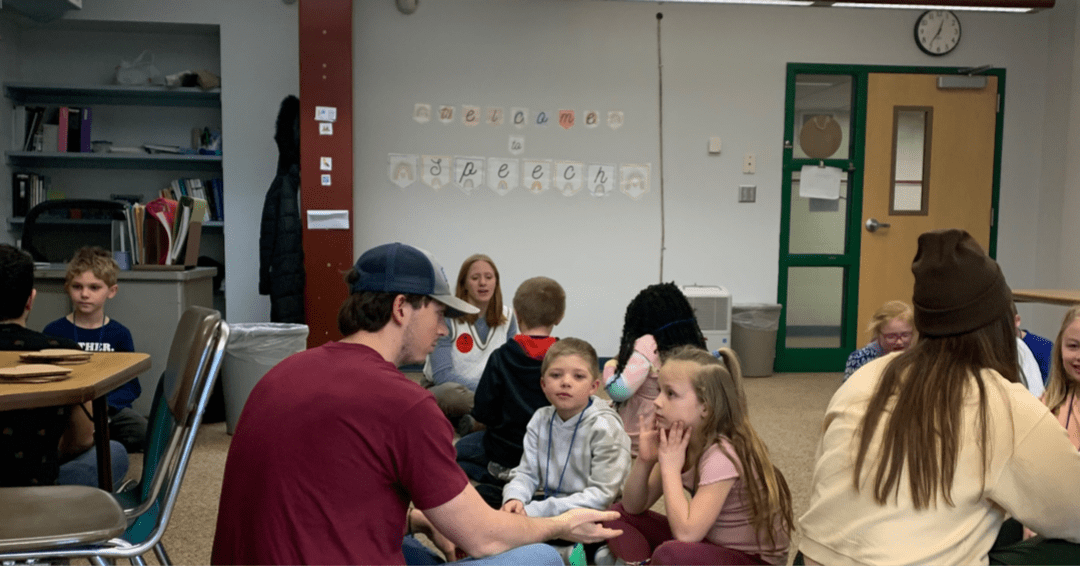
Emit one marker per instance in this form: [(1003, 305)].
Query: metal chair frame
[(187, 403)]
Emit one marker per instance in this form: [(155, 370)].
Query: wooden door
[(959, 178)]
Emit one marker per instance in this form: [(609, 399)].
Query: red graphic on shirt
[(464, 343)]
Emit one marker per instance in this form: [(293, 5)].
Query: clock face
[(937, 32)]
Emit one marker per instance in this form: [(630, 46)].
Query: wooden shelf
[(17, 222), (166, 161), (31, 93)]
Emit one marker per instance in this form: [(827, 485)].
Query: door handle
[(872, 225)]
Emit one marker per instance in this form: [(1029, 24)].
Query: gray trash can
[(753, 336), (253, 348)]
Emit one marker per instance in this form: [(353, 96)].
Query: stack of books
[(210, 190), (165, 233), (59, 129)]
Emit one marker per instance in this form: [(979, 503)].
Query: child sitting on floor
[(576, 452)]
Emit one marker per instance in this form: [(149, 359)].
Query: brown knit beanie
[(958, 288)]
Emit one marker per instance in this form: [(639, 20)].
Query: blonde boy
[(576, 453), (91, 280)]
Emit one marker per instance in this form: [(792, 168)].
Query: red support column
[(326, 81)]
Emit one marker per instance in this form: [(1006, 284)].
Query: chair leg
[(138, 560), (162, 556), (99, 561)]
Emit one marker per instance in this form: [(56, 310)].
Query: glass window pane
[(815, 307), (822, 116), (818, 226), (911, 159)]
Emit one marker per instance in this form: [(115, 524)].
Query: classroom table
[(91, 381), (1066, 297)]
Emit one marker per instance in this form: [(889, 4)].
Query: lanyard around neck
[(569, 451)]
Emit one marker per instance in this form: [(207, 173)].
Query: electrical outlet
[(749, 164), (747, 193)]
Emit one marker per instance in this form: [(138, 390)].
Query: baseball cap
[(401, 268)]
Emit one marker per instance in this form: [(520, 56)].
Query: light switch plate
[(747, 193), (714, 145)]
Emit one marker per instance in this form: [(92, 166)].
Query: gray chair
[(85, 522), (54, 229)]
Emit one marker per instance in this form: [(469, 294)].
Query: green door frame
[(833, 359)]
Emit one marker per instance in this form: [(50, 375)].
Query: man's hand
[(514, 506), (583, 525)]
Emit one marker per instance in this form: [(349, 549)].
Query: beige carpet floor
[(786, 410)]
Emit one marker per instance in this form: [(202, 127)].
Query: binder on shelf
[(217, 198), (74, 123), (63, 131), (85, 117), (20, 191)]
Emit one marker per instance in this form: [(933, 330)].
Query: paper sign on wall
[(516, 145), (542, 119), (502, 175), (592, 119), (468, 173), (519, 117), (634, 180), (446, 114), (494, 116), (422, 113), (536, 175), (601, 179), (325, 113), (568, 177), (470, 115), (328, 219), (402, 169), (435, 171), (615, 119)]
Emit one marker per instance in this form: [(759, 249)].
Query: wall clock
[(937, 32)]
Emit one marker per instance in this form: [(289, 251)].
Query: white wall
[(259, 67), (723, 74)]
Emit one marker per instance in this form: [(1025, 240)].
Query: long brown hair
[(921, 394), (718, 384), (1059, 385), (494, 314)]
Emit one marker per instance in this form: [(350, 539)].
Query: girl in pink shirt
[(700, 439)]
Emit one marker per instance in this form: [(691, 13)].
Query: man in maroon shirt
[(335, 442)]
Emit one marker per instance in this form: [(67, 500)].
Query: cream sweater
[(1032, 475)]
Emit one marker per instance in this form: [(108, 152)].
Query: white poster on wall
[(435, 171), (468, 173), (402, 169), (568, 177), (536, 175), (503, 175), (634, 179), (601, 179)]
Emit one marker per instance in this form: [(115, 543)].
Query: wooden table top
[(1067, 297), (104, 372)]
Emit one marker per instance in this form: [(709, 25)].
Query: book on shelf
[(27, 191), (64, 130), (27, 124), (85, 119), (159, 148), (216, 198), (171, 233)]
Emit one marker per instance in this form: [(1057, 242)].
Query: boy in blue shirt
[(90, 281)]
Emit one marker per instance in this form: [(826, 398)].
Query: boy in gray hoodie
[(576, 451)]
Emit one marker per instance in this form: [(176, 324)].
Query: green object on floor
[(577, 556)]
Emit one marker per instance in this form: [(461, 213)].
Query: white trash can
[(253, 348)]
